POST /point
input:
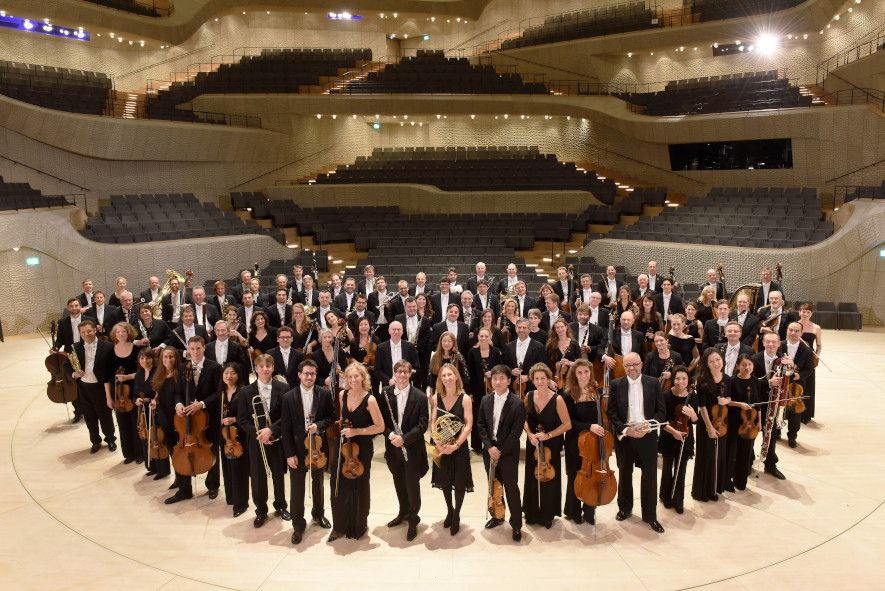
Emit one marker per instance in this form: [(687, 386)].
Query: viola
[(157, 448), (316, 458), (749, 428), (192, 453), (680, 420), (719, 419), (371, 350), (122, 394), (595, 482), (351, 466), (795, 398), (142, 424), (544, 470), (233, 449), (666, 384), (496, 493), (561, 374), (61, 387)]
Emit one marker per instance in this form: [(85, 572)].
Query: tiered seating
[(139, 7), (634, 202), (871, 192), (494, 168), (75, 91), (21, 196), (432, 72), (711, 10), (760, 218), (274, 71), (605, 20), (174, 216), (748, 91)]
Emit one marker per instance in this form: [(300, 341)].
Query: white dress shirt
[(382, 317), (497, 409), (76, 320), (89, 350), (306, 404), (452, 327), (411, 326), (792, 348), (284, 353), (396, 352), (99, 314), (731, 355), (666, 299), (635, 402), (221, 351), (265, 390), (594, 316), (626, 342), (247, 312), (522, 348)]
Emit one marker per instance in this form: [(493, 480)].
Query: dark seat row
[(709, 10), (139, 7), (16, 196), (63, 89)]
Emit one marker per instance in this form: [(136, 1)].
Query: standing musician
[(451, 324), (223, 350), (508, 284), (713, 281), (398, 303), (733, 348), (485, 300), (635, 400), (420, 285), (221, 300), (186, 329), (153, 333), (765, 290), (473, 282), (676, 447), (521, 299), (166, 383), (142, 394), (642, 290), (94, 384), (660, 362), (811, 334), (280, 311), (714, 330), (441, 300), (480, 361), (763, 366), (296, 286), (624, 341), (583, 293), (553, 313), (235, 470), (116, 297), (561, 349), (346, 300), (86, 298), (307, 411), (66, 337), (359, 312), (581, 398), (262, 403), (564, 287), (748, 321), (379, 304), (124, 355), (286, 360), (683, 343), (104, 315), (667, 301), (446, 354), (367, 285), (547, 419), (308, 295), (204, 395), (714, 389), (739, 449), (501, 420), (404, 448), (610, 285), (648, 320), (598, 313), (127, 312), (244, 286), (151, 294), (172, 302), (654, 280), (775, 318), (205, 314), (469, 316), (803, 366), (522, 353), (535, 330), (416, 328), (391, 351)]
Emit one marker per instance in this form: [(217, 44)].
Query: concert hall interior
[(496, 293)]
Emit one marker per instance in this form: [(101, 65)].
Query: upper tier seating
[(75, 91), (719, 94), (871, 192), (146, 218), (605, 20), (274, 71), (21, 196), (760, 218), (493, 168), (139, 7), (432, 72), (711, 10)]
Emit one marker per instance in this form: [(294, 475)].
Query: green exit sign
[(32, 261)]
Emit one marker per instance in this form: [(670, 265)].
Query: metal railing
[(842, 194), (856, 96), (848, 56), (152, 8)]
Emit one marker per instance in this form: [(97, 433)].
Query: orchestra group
[(579, 369)]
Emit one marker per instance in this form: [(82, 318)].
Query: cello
[(595, 482), (192, 453)]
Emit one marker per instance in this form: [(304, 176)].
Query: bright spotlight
[(767, 44)]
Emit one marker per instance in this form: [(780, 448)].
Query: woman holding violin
[(234, 458), (677, 439), (681, 342), (659, 363), (562, 350), (693, 326), (323, 357), (262, 336), (713, 389), (811, 334), (507, 320), (487, 320), (360, 421), (581, 400), (453, 473), (446, 354), (648, 320), (547, 420), (305, 336), (481, 358), (743, 424), (625, 301), (143, 394), (166, 383), (364, 347), (124, 363)]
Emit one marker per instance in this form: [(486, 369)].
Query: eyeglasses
[(404, 371), (632, 364), (309, 374)]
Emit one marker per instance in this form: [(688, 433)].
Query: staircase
[(126, 105), (816, 92)]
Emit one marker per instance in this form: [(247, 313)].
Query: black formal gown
[(302, 340), (454, 469), (739, 451), (710, 466), (549, 506), (350, 507), (654, 366), (583, 415), (267, 343), (130, 444), (669, 448), (324, 365), (235, 470), (808, 381), (704, 313), (683, 346)]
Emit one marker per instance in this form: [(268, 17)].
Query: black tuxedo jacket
[(676, 306), (803, 361), (216, 301), (545, 320), (493, 302), (238, 292), (509, 426), (618, 405), (461, 337), (340, 302), (109, 319), (471, 284), (786, 318), (273, 315), (176, 342), (274, 418), (64, 336), (309, 299), (422, 342), (750, 328), (534, 354), (102, 369), (206, 390), (413, 426), (596, 339), (158, 333), (83, 302), (353, 320), (565, 297), (602, 317), (397, 306), (720, 290), (384, 362), (602, 288), (711, 334), (373, 305), (761, 300), (292, 421), (146, 296), (167, 308), (361, 287), (207, 317), (657, 282), (120, 316), (636, 295), (439, 311), (502, 286), (636, 347), (280, 369), (427, 291), (235, 354)]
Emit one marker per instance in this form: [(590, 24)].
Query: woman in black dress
[(124, 364), (547, 419), (305, 328), (682, 343), (705, 304), (142, 394), (262, 336), (693, 327), (507, 321), (584, 406), (167, 383), (674, 453), (562, 350), (739, 450), (660, 362), (235, 470), (487, 320), (648, 320), (351, 498), (713, 388), (811, 334), (323, 358), (625, 301), (480, 361), (453, 472), (115, 299), (446, 354)]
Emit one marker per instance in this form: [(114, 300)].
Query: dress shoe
[(322, 522), (240, 510), (456, 525), (178, 496), (412, 532), (679, 509), (296, 537), (776, 473), (696, 498), (730, 488), (578, 519), (283, 514), (213, 493), (398, 520), (548, 524), (517, 535), (714, 497), (260, 519), (622, 515), (656, 526), (805, 421), (333, 536), (76, 419), (150, 472), (139, 461), (591, 519), (112, 447), (128, 461), (448, 520), (95, 447), (173, 486), (667, 503), (161, 475), (740, 487), (493, 522), (792, 443)]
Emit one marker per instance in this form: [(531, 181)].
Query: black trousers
[(130, 444), (258, 475), (667, 475), (96, 412), (475, 440), (644, 452), (794, 423), (297, 482), (507, 472), (771, 458), (407, 483), (213, 476), (236, 480)]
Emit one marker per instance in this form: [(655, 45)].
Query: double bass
[(192, 453), (61, 387), (595, 482)]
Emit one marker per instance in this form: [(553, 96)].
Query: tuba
[(445, 431), (170, 275)]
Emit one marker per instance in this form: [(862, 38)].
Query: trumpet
[(259, 414)]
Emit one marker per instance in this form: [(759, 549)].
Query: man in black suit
[(244, 286), (201, 394), (307, 410), (484, 299), (222, 300), (94, 383), (763, 369), (625, 341), (501, 418), (468, 316), (522, 353), (346, 300), (635, 399), (286, 360), (279, 313), (732, 347), (420, 285), (360, 311), (405, 421), (440, 300), (599, 315), (523, 302), (584, 289), (127, 312), (296, 286), (223, 350), (654, 280), (768, 286), (269, 408), (667, 301), (66, 336), (324, 307), (152, 293), (172, 302), (803, 365), (609, 285), (480, 277), (104, 314), (714, 329), (452, 325), (642, 289), (564, 287), (261, 299), (591, 338), (393, 350), (713, 281), (748, 321), (508, 283), (774, 317), (398, 303), (367, 284), (205, 314), (416, 330), (87, 296), (308, 296), (379, 304), (186, 329), (552, 313)]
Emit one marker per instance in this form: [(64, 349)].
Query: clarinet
[(396, 427)]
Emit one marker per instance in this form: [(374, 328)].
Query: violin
[(157, 448), (61, 387), (680, 420), (496, 493), (719, 419), (142, 424), (561, 374), (595, 482), (316, 458), (371, 350), (795, 398), (233, 449), (749, 428), (122, 394), (192, 453), (351, 466), (666, 384), (544, 470)]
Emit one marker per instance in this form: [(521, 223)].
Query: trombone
[(259, 414)]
